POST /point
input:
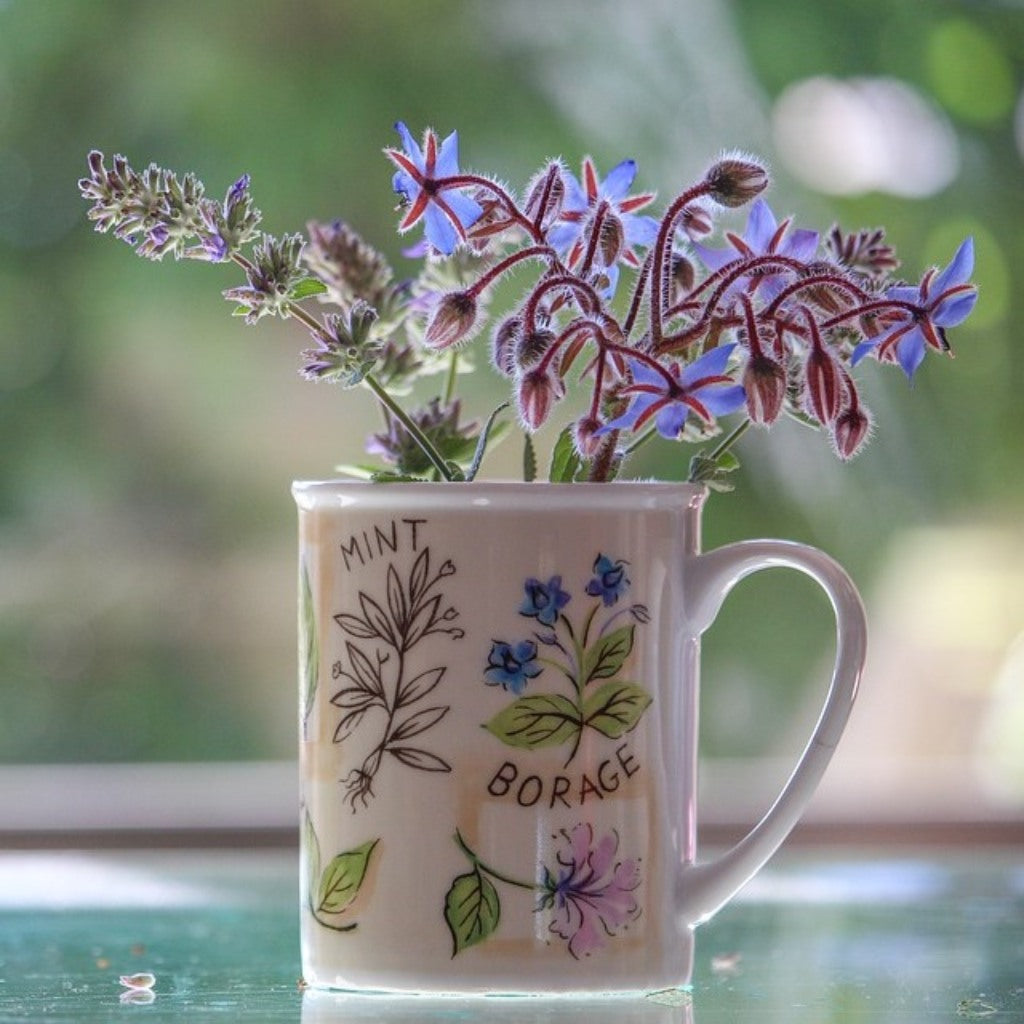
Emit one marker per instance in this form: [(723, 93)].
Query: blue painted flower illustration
[(588, 652), (610, 581), (544, 601), (512, 666)]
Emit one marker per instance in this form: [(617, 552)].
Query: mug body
[(498, 736)]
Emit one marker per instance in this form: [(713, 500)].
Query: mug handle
[(708, 579)]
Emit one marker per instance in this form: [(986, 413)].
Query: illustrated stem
[(486, 869)]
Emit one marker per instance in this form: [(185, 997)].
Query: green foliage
[(472, 910)]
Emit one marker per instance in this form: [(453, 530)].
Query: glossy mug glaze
[(498, 742)]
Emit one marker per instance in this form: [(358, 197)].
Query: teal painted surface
[(816, 938)]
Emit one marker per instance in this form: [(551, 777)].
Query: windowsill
[(256, 804)]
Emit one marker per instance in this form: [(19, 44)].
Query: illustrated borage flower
[(625, 228), (591, 894), (446, 211), (544, 601), (669, 394), (512, 666), (609, 581), (943, 299)]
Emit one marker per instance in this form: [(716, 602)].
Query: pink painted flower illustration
[(592, 894)]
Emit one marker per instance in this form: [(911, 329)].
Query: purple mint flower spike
[(943, 299), (591, 895), (446, 211), (703, 386)]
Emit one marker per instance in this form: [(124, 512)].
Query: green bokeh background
[(148, 439)]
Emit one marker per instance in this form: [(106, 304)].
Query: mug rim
[(513, 495)]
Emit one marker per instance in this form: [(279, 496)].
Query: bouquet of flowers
[(772, 321)]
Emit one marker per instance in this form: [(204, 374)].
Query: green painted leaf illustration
[(472, 909), (310, 647), (311, 850), (615, 708), (342, 878), (541, 720), (605, 658)]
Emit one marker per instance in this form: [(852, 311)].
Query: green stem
[(417, 435), (450, 379), (640, 441), (421, 439), (729, 440), (479, 865)]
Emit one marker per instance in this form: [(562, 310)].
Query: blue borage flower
[(943, 299), (512, 666), (621, 229), (420, 180), (609, 581), (798, 319), (764, 236), (669, 393), (544, 601)]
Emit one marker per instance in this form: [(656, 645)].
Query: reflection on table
[(819, 936)]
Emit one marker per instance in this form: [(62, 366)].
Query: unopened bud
[(735, 180), (535, 394), (453, 319), (823, 386), (504, 343), (851, 430), (533, 346), (764, 381), (545, 195), (611, 240), (695, 221), (684, 275), (588, 441)]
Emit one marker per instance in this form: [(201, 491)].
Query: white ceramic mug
[(499, 692)]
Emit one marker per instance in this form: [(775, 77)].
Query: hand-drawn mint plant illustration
[(331, 889), (589, 654), (588, 895), (382, 674)]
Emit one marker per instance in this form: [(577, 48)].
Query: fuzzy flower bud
[(683, 275), (735, 180), (695, 221), (851, 430), (823, 386), (535, 395), (504, 344), (764, 381), (533, 346), (545, 195), (611, 240), (453, 320), (585, 433)]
